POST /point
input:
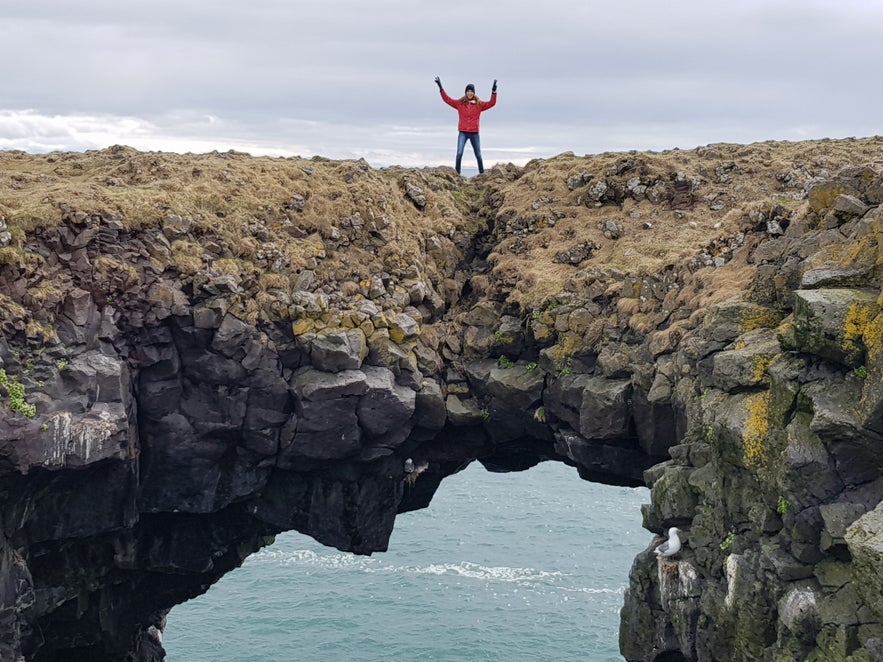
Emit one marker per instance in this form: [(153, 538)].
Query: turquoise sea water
[(516, 566)]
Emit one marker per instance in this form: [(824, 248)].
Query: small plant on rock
[(727, 542), (15, 393), (503, 362), (782, 505)]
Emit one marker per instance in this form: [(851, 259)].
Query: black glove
[(494, 88), (438, 82)]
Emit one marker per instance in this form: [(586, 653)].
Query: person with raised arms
[(469, 108)]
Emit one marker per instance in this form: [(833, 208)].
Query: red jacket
[(469, 112)]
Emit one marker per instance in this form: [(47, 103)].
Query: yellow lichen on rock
[(872, 337), (302, 326), (858, 318), (758, 317), (759, 366), (822, 197), (396, 334), (754, 436)]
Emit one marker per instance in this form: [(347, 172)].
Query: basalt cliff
[(201, 351)]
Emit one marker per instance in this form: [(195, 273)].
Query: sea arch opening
[(511, 554)]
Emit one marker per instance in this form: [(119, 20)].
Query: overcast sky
[(354, 78)]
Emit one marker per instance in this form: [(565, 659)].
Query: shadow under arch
[(616, 463)]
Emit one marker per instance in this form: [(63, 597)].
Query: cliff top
[(555, 219)]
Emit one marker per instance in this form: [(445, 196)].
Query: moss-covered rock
[(746, 365), (832, 323), (865, 541), (674, 497), (871, 405)]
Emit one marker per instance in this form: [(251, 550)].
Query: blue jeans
[(476, 147)]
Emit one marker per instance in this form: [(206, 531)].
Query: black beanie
[(470, 87)]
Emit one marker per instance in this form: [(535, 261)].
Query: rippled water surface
[(516, 566)]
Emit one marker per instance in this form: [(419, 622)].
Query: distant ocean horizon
[(517, 566)]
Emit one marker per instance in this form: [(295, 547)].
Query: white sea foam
[(591, 590), (306, 557), (476, 571)]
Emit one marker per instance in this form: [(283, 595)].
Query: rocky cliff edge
[(201, 351)]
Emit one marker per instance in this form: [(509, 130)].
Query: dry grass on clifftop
[(538, 212), (241, 202), (727, 182)]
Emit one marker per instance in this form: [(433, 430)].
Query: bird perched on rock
[(409, 466), (671, 546)]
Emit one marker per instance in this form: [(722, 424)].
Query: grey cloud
[(341, 77)]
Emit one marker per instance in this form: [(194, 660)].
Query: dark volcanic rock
[(168, 406)]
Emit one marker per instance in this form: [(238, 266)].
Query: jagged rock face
[(778, 479), (162, 471), (170, 435), (183, 411)]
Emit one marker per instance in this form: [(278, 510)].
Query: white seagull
[(671, 546)]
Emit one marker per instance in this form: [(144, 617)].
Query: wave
[(476, 571), (307, 557), (466, 569)]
